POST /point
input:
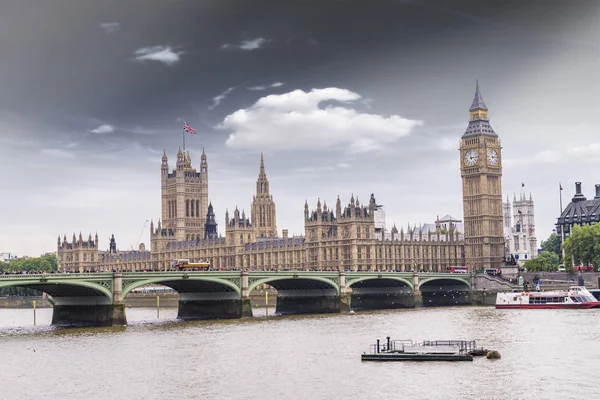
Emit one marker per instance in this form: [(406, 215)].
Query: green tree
[(46, 263), (582, 247), (51, 258), (552, 244), (545, 261)]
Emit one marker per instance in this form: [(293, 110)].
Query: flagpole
[(183, 133), (560, 195)]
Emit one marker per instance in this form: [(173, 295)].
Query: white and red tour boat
[(574, 297)]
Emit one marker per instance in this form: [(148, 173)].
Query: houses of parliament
[(350, 236)]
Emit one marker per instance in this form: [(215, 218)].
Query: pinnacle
[(478, 103), (262, 165)]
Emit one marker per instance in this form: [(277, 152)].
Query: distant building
[(580, 211), (519, 228), (6, 257)]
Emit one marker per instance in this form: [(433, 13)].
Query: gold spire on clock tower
[(481, 172)]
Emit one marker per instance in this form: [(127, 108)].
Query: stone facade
[(184, 197), (79, 254), (481, 172), (519, 228), (352, 238)]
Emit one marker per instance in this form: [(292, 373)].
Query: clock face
[(471, 158), (492, 157)]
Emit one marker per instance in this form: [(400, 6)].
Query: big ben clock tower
[(481, 172)]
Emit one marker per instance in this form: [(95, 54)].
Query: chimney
[(597, 191), (285, 231), (578, 195)]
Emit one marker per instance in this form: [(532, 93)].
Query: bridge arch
[(352, 281), (63, 287), (440, 279), (167, 280), (302, 282)]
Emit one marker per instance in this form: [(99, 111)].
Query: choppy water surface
[(546, 354)]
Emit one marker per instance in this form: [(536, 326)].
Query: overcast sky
[(343, 97)]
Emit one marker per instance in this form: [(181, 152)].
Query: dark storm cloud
[(97, 89)]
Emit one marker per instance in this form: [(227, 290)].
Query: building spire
[(262, 165), (478, 103)]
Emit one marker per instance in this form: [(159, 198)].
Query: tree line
[(582, 248), (45, 263)]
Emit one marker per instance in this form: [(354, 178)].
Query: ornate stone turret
[(113, 245), (184, 198), (306, 210), (210, 228), (263, 215)]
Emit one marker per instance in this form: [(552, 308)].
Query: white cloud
[(218, 99), (58, 153), (263, 87), (102, 129), (344, 165), (162, 54), (110, 27), (247, 45), (294, 120)]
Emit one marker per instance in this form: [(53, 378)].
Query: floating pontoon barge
[(407, 350)]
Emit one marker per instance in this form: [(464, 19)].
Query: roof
[(449, 218), (478, 103), (580, 211), (480, 127)]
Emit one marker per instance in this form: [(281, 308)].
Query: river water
[(546, 354)]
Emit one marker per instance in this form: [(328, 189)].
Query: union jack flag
[(188, 128)]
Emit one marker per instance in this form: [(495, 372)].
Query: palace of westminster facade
[(349, 237)]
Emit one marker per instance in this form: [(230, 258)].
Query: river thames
[(548, 354)]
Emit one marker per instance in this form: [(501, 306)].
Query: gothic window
[(358, 232), (175, 208), (187, 208), (241, 238), (197, 209), (192, 208)]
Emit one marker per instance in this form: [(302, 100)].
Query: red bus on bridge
[(457, 269)]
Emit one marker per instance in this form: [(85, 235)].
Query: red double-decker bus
[(457, 269)]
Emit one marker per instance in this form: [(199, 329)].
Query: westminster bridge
[(97, 299)]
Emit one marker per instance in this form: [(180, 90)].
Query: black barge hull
[(415, 357)]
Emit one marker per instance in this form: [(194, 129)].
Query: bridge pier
[(246, 302), (418, 298), (219, 305), (308, 305), (315, 301), (345, 302), (87, 312)]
